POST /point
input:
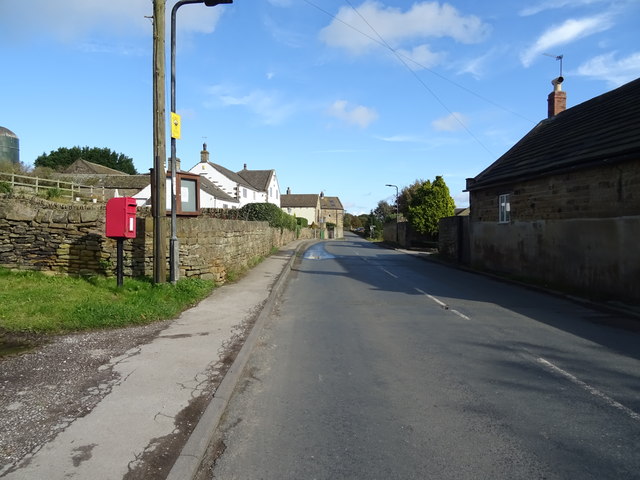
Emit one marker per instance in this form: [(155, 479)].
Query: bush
[(52, 193), (5, 187), (302, 222), (268, 212)]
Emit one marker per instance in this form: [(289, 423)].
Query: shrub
[(302, 222), (52, 193), (5, 187), (268, 212)]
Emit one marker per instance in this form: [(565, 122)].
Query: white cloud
[(401, 139), (422, 20), (268, 106), (570, 31), (70, 20), (358, 115), (451, 123), (556, 4), (615, 71), (420, 57)]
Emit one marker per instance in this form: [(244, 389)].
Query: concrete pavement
[(148, 408)]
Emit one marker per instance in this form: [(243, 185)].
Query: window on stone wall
[(504, 208)]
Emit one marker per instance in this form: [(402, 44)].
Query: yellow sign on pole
[(175, 125)]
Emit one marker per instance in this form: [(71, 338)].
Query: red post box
[(121, 218)]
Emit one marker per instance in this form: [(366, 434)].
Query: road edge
[(188, 462)]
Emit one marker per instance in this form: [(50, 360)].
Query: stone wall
[(36, 234), (453, 238), (593, 257)]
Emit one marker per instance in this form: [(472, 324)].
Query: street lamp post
[(397, 213), (174, 247)]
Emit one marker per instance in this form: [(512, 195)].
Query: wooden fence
[(42, 185)]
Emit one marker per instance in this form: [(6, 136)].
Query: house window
[(504, 208), (244, 192)]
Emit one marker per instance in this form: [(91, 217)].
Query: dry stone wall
[(36, 234)]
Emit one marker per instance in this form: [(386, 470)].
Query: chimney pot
[(557, 100), (204, 155)]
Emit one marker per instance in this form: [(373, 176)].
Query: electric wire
[(403, 59)]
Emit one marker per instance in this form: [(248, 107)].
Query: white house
[(247, 186), (210, 195), (265, 181), (227, 181)]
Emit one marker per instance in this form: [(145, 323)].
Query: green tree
[(384, 212), (355, 222), (430, 203), (406, 195), (63, 157)]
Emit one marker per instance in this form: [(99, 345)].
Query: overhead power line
[(404, 59)]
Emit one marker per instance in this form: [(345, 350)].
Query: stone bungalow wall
[(577, 230), (36, 234)]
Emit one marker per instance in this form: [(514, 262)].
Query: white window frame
[(504, 208)]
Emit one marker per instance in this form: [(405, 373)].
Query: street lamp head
[(213, 3)]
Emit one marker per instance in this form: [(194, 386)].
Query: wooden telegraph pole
[(158, 182)]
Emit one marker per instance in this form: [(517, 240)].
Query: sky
[(341, 97)]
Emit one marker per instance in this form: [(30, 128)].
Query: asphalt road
[(377, 365)]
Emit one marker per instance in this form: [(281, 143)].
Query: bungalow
[(562, 206)]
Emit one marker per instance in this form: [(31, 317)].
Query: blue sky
[(336, 96)]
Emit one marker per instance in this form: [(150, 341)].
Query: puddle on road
[(317, 252)]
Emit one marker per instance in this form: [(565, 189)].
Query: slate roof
[(81, 166), (129, 182), (604, 129), (231, 175), (332, 203), (300, 200), (208, 186), (259, 179)]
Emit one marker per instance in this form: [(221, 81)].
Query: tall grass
[(33, 302)]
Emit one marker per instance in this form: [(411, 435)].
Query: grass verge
[(31, 302)]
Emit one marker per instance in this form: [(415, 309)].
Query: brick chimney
[(204, 155), (557, 100)]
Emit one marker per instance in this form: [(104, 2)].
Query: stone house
[(332, 214), (302, 205), (327, 213), (562, 206)]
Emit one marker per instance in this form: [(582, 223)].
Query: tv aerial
[(557, 57)]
